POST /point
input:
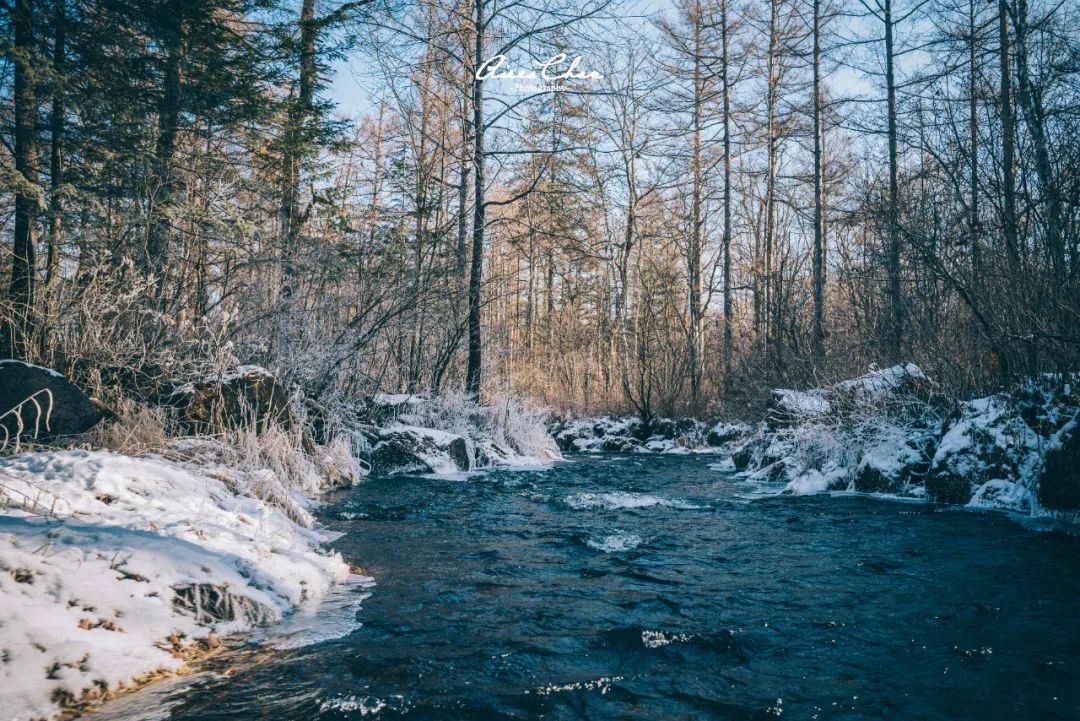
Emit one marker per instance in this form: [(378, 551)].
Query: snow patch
[(104, 557)]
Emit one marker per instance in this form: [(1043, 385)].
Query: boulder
[(749, 454), (989, 441), (724, 433), (1059, 485), (871, 479), (235, 399), (786, 408), (410, 450), (47, 404)]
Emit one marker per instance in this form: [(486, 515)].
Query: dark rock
[(869, 479), (397, 454), (749, 453), (236, 399), (619, 444), (459, 452), (722, 435), (406, 450), (47, 403), (944, 486), (1059, 485)]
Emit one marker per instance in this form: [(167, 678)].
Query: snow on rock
[(108, 563), (413, 449), (787, 407), (878, 384), (989, 441), (628, 434), (452, 433), (883, 433)]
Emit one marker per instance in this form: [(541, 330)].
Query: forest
[(686, 205)]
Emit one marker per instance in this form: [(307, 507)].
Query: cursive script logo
[(552, 70)]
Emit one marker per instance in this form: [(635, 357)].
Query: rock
[(407, 449), (723, 433), (786, 408), (232, 400), (1059, 485), (945, 486), (459, 452), (749, 453), (382, 409), (869, 479), (989, 441), (48, 404)]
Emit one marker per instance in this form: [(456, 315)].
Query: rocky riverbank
[(132, 540), (891, 431)]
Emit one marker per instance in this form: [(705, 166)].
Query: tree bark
[(1031, 103), (727, 196), (818, 340), (693, 255), (56, 160), (973, 132), (21, 289), (895, 330), (473, 366), (1008, 138), (157, 245)]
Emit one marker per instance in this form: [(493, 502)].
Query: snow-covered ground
[(111, 566)]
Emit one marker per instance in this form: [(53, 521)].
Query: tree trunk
[(770, 192), (727, 197), (1031, 103), (21, 292), (819, 204), (56, 166), (693, 255), (295, 141), (157, 246), (973, 137), (1008, 139), (895, 330), (473, 367)]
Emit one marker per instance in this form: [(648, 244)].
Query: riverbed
[(659, 587)]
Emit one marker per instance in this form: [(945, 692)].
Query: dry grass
[(137, 429)]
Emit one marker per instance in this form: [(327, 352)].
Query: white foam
[(618, 500), (614, 542), (364, 705), (335, 617), (658, 639)]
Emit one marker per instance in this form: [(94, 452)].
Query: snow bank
[(109, 565), (882, 433)]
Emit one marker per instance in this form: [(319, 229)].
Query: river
[(656, 587)]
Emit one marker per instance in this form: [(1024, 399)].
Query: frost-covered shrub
[(524, 429), (506, 430)]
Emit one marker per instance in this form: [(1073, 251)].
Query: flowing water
[(654, 588)]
